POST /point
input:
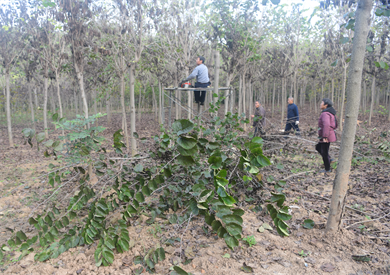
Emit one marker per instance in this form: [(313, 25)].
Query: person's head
[(257, 104), (290, 100), (200, 60), (325, 103)]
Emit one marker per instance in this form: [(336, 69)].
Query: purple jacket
[(327, 124)]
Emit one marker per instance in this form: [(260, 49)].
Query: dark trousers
[(259, 131), (291, 125), (200, 95), (323, 149)]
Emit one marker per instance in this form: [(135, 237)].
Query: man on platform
[(201, 73)]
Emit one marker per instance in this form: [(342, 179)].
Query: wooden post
[(216, 75)]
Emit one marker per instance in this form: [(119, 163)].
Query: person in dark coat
[(327, 123), (259, 119), (292, 117)]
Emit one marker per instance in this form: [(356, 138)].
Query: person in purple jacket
[(327, 123)]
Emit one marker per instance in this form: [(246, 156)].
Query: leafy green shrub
[(200, 168)]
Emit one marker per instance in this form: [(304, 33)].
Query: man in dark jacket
[(292, 117), (259, 119)]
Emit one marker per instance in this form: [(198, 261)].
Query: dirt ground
[(365, 228)]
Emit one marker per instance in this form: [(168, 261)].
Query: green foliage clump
[(202, 165)]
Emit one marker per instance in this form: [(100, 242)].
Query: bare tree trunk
[(8, 109), (124, 120), (80, 78), (154, 104), (227, 99), (30, 101), (36, 98), (372, 99), (216, 76), (283, 100), (332, 91), (59, 95), (340, 185), (273, 98), (343, 97), (132, 113), (240, 96), (160, 108), (244, 99), (108, 108), (45, 89), (388, 99)]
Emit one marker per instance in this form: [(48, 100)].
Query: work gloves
[(296, 122)]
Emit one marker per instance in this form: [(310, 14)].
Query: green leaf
[(108, 256), (238, 212), (334, 63), (149, 263), (182, 126), (308, 224), (383, 65), (139, 197), (146, 190), (179, 270), (282, 227), (369, 49), (124, 244), (215, 161), (186, 142), (216, 225), (138, 168), (350, 24), (65, 221), (21, 235), (231, 241), (55, 117), (209, 219), (131, 209), (264, 2), (32, 221), (185, 152), (263, 160), (275, 2), (229, 200), (204, 195), (284, 217), (40, 137), (278, 198), (247, 268), (161, 253), (185, 160), (233, 229), (232, 219)]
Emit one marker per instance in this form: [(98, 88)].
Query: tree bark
[(343, 97), (30, 101), (340, 184), (216, 76), (80, 78), (45, 90), (59, 95), (8, 109), (273, 98), (122, 77), (132, 111), (372, 99)]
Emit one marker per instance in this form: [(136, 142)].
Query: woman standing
[(327, 123)]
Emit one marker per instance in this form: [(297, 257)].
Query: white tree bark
[(372, 100), (340, 185), (132, 111), (45, 91), (8, 110)]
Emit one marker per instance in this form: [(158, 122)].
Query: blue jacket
[(292, 112)]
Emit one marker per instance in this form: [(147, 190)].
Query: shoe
[(325, 171), (331, 160), (202, 103)]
